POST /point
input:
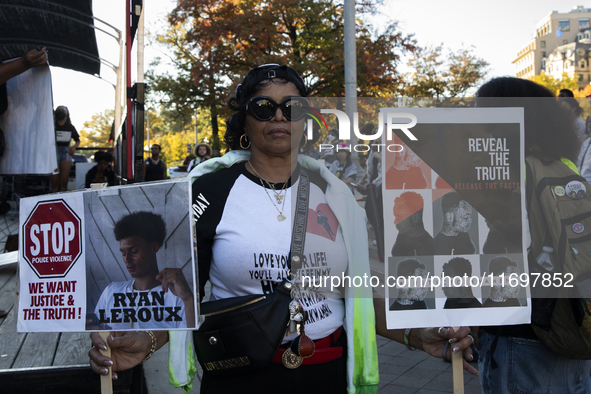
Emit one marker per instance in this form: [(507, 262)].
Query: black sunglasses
[(264, 108)]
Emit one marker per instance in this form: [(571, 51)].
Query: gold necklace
[(281, 217), (278, 194)]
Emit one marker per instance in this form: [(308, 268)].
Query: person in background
[(154, 167), (565, 93), (31, 59), (343, 167), (203, 152), (188, 159), (372, 181), (64, 133), (585, 159), (573, 106), (588, 120), (329, 155), (512, 359), (102, 171), (584, 130)]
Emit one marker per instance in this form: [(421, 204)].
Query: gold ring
[(471, 337)]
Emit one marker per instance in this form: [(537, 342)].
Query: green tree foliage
[(174, 146), (174, 143), (96, 132), (437, 75), (555, 84)]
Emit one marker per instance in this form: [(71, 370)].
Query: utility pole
[(351, 74)]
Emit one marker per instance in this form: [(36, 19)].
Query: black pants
[(275, 378)]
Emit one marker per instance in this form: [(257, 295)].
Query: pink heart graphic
[(322, 222)]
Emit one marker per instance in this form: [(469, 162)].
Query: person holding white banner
[(11, 69)]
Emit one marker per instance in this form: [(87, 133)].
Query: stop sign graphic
[(52, 238)]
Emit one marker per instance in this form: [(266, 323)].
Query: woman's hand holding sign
[(434, 342), (128, 349)]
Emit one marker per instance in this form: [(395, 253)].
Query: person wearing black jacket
[(101, 172)]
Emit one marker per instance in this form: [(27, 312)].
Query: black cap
[(272, 71)]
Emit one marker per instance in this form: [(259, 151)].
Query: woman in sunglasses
[(244, 206)]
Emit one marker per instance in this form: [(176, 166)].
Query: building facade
[(560, 44)]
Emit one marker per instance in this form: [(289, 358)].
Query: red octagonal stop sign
[(52, 238)]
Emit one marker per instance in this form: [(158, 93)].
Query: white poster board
[(92, 260), (454, 218)]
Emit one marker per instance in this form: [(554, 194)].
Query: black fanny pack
[(241, 334)]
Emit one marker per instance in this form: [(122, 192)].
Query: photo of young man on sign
[(152, 297), (139, 266)]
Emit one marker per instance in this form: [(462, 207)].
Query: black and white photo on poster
[(140, 267), (470, 211)]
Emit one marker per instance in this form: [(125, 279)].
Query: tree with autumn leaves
[(213, 44)]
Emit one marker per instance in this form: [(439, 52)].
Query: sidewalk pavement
[(401, 372)]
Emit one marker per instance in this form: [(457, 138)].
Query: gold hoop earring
[(305, 141), (242, 142)]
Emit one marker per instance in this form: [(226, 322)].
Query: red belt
[(323, 353)]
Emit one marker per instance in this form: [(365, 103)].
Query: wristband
[(407, 340), (153, 348)]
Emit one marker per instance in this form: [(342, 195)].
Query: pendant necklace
[(279, 196)]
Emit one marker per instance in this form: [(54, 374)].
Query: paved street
[(401, 372)]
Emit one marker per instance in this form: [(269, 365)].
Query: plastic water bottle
[(545, 258)]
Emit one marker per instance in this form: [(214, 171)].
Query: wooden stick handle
[(458, 369), (106, 380)]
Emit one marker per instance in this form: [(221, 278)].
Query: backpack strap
[(529, 186), (582, 157)]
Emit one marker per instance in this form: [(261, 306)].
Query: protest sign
[(119, 258), (454, 218)]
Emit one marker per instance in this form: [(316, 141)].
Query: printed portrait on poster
[(453, 217), (412, 290), (140, 271)]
